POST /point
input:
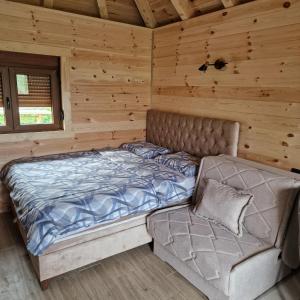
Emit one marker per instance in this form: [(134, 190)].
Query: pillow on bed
[(183, 162), (145, 149), (224, 205)]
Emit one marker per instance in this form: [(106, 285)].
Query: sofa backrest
[(274, 193)]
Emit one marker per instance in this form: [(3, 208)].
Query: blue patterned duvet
[(58, 195)]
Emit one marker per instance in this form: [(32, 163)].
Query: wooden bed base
[(88, 247)]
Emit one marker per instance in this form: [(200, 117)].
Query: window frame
[(13, 63), (55, 99), (8, 127)]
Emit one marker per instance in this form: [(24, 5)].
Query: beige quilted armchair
[(220, 264)]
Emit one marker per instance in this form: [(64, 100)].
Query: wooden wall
[(109, 75), (260, 87)]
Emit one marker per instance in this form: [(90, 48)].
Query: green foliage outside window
[(35, 115), (32, 116), (2, 118)]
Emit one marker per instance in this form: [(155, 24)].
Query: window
[(29, 93)]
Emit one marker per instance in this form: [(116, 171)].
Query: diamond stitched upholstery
[(274, 193), (208, 249), (195, 135)]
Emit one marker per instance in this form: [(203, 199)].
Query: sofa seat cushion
[(207, 248)]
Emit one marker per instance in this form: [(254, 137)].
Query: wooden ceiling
[(149, 13)]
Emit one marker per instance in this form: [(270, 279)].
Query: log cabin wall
[(106, 76), (106, 79), (260, 87)]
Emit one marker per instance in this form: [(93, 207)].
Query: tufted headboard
[(195, 135)]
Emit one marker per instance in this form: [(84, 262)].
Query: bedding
[(145, 149), (183, 162), (57, 195)]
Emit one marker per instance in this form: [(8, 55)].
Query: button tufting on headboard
[(195, 135)]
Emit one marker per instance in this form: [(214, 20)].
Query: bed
[(103, 208)]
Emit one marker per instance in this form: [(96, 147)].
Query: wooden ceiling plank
[(48, 3), (183, 8), (103, 11), (230, 3), (146, 13)]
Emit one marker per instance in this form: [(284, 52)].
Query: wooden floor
[(136, 274)]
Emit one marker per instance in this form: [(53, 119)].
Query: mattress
[(57, 195)]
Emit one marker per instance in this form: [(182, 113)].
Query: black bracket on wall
[(219, 64)]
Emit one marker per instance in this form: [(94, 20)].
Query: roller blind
[(34, 90)]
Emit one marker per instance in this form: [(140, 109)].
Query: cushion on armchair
[(224, 205)]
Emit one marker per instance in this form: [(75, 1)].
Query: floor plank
[(133, 275)]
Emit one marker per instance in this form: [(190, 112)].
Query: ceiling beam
[(230, 3), (103, 11), (48, 3), (146, 13), (183, 8)]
